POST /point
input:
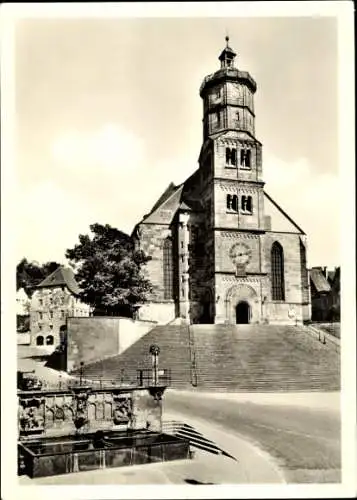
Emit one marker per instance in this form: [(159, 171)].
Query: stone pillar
[(183, 241), (221, 306), (147, 409)]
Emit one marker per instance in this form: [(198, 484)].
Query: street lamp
[(155, 351), (81, 373)]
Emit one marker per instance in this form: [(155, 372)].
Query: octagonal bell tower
[(231, 164), (228, 98)]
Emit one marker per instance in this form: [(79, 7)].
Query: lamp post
[(81, 373), (155, 351)]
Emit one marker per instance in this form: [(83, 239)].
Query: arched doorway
[(242, 313), (49, 340), (39, 340)]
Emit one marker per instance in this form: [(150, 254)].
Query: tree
[(30, 274), (108, 271)]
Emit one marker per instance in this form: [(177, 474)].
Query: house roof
[(319, 281), (62, 276)]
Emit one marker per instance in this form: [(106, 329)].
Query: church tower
[(222, 250), (232, 161)]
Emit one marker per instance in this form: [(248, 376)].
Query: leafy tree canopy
[(108, 271), (30, 274)]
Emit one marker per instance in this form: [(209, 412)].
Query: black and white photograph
[(177, 205)]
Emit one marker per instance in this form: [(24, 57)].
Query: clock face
[(240, 253)]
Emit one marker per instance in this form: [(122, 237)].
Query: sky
[(108, 113)]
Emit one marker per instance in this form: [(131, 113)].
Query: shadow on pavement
[(194, 481)]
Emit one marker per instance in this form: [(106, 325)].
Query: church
[(222, 250)]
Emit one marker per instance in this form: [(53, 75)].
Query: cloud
[(312, 200)]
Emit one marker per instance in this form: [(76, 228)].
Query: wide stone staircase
[(174, 344), (235, 358), (263, 358)]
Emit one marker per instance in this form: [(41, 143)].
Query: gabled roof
[(319, 281), (62, 276), (282, 212), (169, 190)]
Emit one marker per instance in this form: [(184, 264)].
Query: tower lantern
[(227, 56)]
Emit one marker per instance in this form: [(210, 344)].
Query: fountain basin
[(48, 456)]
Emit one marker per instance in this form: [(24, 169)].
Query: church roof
[(62, 276), (319, 281), (171, 188), (283, 213)]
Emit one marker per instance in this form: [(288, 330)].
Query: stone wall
[(293, 308), (230, 172), (99, 337), (91, 339), (152, 237), (84, 409)]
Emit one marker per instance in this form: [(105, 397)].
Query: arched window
[(304, 273), (39, 340), (49, 340), (168, 269), (232, 202), (231, 156), (277, 272), (247, 204)]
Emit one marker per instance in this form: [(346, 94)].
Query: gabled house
[(53, 300)]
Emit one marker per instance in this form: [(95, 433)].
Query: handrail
[(193, 364), (322, 336)]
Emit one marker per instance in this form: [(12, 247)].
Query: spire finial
[(227, 39)]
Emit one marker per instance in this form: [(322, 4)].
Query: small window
[(245, 158), (39, 340), (49, 340), (218, 119), (40, 327), (51, 314), (247, 204), (51, 327), (40, 301), (40, 315), (231, 156), (232, 202)]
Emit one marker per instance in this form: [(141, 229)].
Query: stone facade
[(235, 255), (51, 305)]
